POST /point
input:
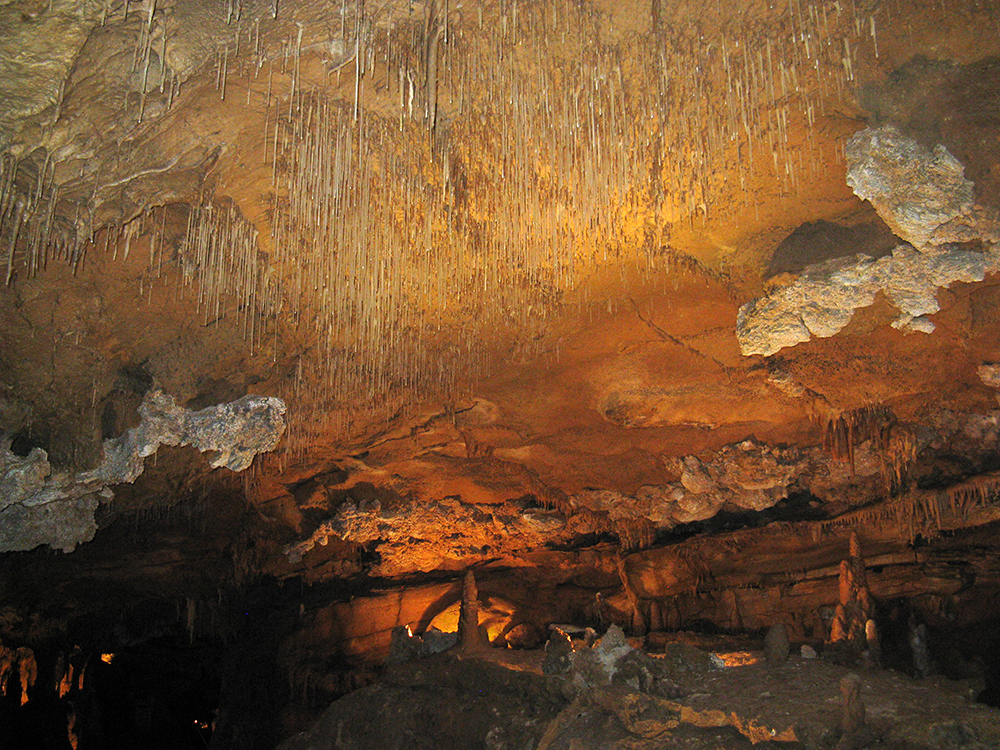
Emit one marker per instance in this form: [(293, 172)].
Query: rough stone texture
[(21, 478), (444, 703), (983, 428), (746, 475), (852, 708), (989, 373), (41, 507), (404, 646), (823, 299), (735, 708), (587, 667), (61, 524), (408, 532), (558, 652), (524, 635), (923, 196), (32, 67), (684, 660), (436, 641), (916, 190), (234, 432)]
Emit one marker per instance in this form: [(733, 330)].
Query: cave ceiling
[(436, 285)]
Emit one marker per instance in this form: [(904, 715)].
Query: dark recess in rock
[(817, 241)]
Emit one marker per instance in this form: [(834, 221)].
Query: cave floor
[(503, 699)]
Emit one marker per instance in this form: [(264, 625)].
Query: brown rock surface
[(637, 309)]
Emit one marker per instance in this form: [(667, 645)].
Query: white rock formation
[(39, 507), (823, 299), (916, 190), (923, 196), (747, 475)]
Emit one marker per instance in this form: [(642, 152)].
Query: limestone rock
[(915, 189), (989, 373), (749, 475), (909, 324), (612, 647), (404, 646), (923, 195), (20, 478), (61, 524), (695, 477), (823, 299), (435, 641), (409, 530), (691, 507), (39, 507), (597, 666), (636, 671), (983, 428), (587, 668), (234, 432), (36, 57), (682, 660), (558, 652)]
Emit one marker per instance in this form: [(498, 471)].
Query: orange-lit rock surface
[(637, 310)]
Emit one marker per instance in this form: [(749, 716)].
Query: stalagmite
[(852, 709), (191, 611), (873, 642), (776, 647), (855, 607), (638, 619), (470, 638)]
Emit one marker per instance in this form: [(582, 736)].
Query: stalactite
[(978, 492), (924, 512), (23, 661), (221, 257), (8, 661), (633, 534), (401, 246), (146, 44), (895, 445), (27, 668)]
